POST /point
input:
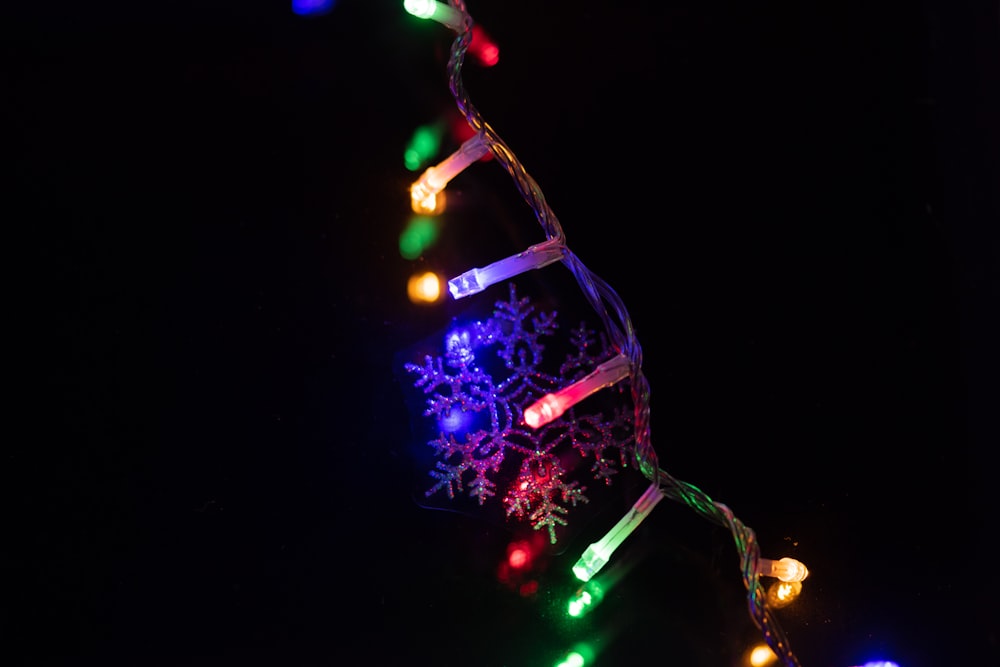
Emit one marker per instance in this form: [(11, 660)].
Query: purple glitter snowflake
[(479, 416)]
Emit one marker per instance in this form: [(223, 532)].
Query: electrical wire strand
[(610, 308)]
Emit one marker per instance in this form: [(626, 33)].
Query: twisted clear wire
[(618, 325)]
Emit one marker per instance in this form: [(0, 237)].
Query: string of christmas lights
[(625, 365)]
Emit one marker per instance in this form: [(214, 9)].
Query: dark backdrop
[(210, 456)]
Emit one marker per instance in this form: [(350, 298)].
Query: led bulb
[(599, 553), (423, 193), (535, 257), (551, 406), (437, 11), (786, 569), (546, 409)]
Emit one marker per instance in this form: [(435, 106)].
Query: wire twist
[(618, 325)]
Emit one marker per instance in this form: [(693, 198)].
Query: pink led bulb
[(549, 408)]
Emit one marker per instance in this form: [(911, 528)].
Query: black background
[(209, 456)]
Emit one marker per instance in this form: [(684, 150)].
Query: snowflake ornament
[(476, 392)]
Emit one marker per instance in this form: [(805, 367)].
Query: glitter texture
[(476, 392)]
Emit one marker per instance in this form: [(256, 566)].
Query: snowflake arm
[(471, 462), (535, 494), (548, 515), (482, 487), (449, 479)]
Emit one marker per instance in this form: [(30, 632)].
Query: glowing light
[(458, 343), (783, 593), (586, 597), (597, 554), (579, 656), (522, 554), (880, 663), (574, 659), (551, 406), (786, 569), (421, 232), (424, 145), (525, 557), (437, 11), (548, 408), (518, 558), (476, 280), (454, 421), (483, 48), (433, 204), (424, 288), (312, 7), (761, 656), (423, 193), (422, 9)]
